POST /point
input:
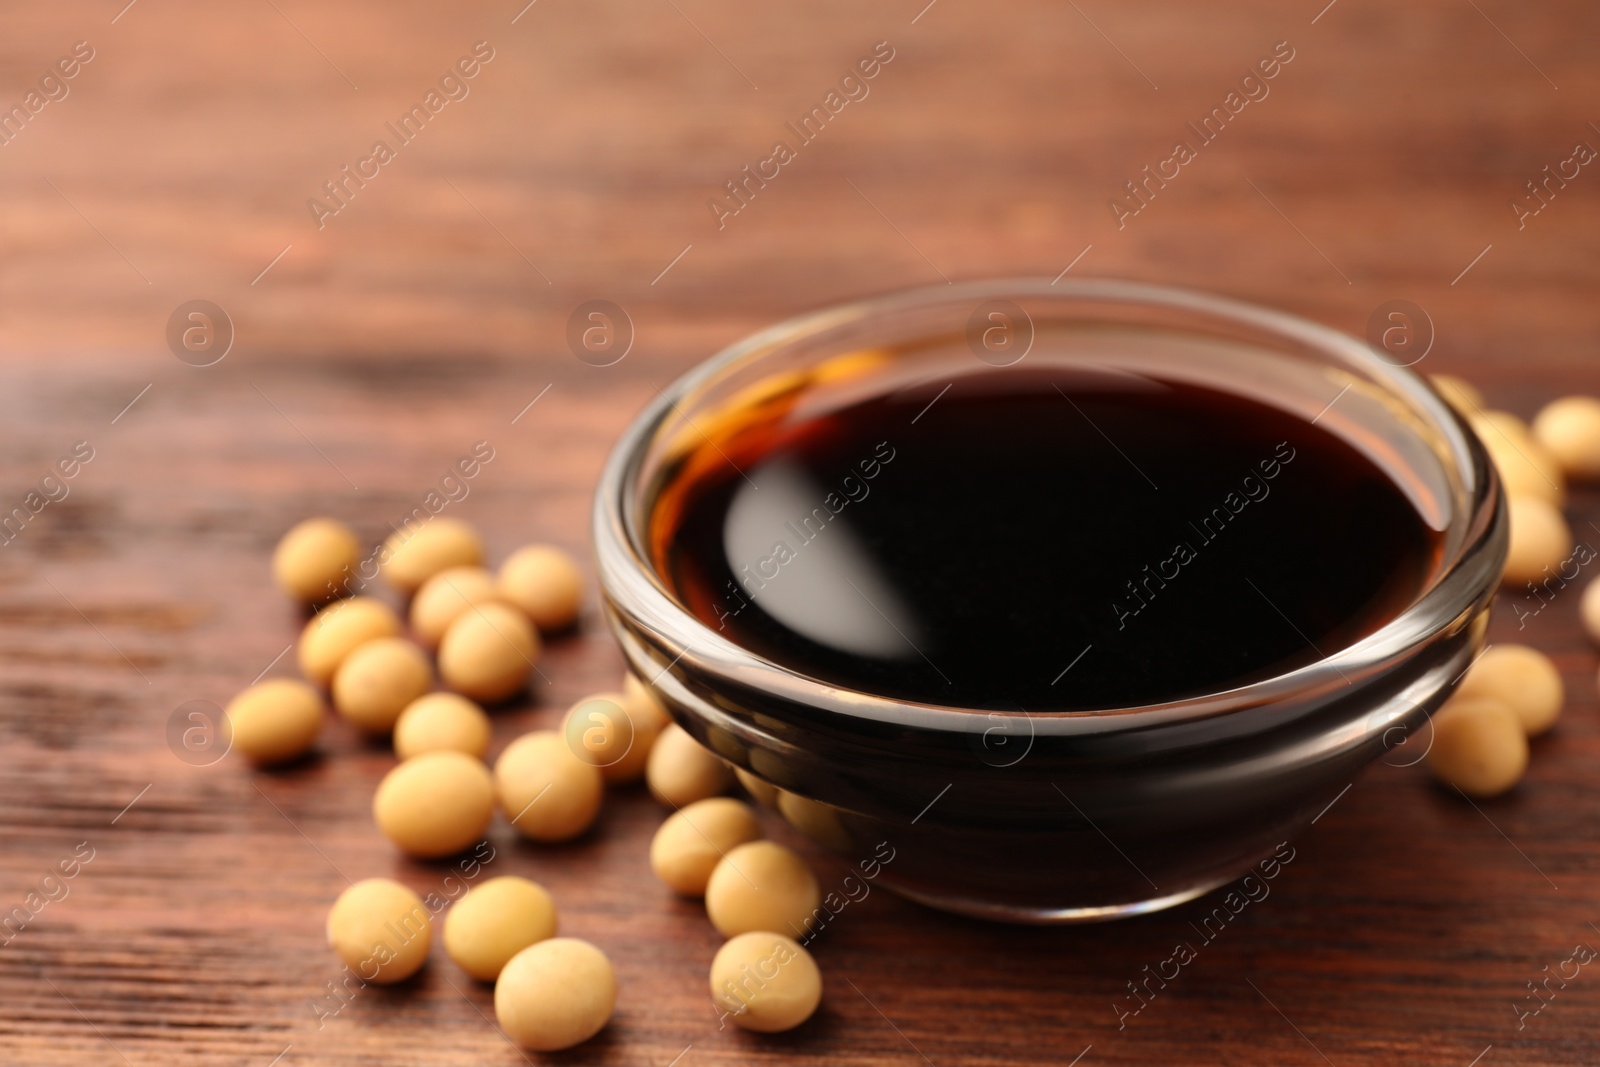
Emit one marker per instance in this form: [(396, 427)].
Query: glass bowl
[(1059, 816)]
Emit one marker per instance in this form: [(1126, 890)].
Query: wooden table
[(430, 311)]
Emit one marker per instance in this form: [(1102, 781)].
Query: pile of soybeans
[(471, 639), (1513, 692)]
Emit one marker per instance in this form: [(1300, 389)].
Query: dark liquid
[(1041, 539)]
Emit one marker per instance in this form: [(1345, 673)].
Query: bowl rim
[(1463, 581)]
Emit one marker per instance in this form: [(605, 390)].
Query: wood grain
[(432, 309)]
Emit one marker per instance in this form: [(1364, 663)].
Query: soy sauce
[(1040, 539)]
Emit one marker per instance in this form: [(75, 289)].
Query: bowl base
[(1022, 914)]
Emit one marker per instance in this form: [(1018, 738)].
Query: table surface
[(430, 311)]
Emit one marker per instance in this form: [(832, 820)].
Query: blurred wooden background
[(432, 309)]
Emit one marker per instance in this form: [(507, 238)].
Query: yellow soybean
[(1540, 539), (761, 886), (818, 821), (681, 772), (643, 704), (545, 583), (1589, 611), (555, 994), (495, 921), (381, 930), (338, 630), (441, 722), (487, 652), (761, 791), (1521, 678), (1462, 394), (435, 804), (690, 844), (312, 560), (1524, 465), (546, 791), (1569, 429), (603, 732), (413, 555), (376, 681), (444, 597), (275, 721), (1478, 746), (765, 982)]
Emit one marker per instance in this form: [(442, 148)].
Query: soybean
[(495, 921), (312, 559), (1521, 678), (545, 583), (1478, 746), (441, 722), (412, 556), (338, 630), (681, 772), (275, 721), (1524, 465), (765, 982), (604, 733), (1460, 393), (818, 821), (546, 791), (376, 681), (1589, 611), (435, 804), (1569, 430), (555, 994), (381, 930), (761, 791), (1507, 425), (761, 886), (1540, 539), (690, 844), (444, 597), (642, 702), (487, 652)]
